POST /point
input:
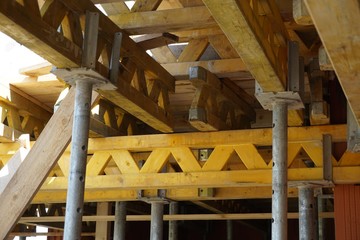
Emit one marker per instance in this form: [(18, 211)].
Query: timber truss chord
[(56, 32), (238, 159)]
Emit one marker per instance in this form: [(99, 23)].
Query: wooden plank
[(218, 158), (153, 179), (186, 159), (163, 55), (238, 22), (250, 156), (194, 50), (65, 54), (163, 20), (145, 5), (186, 194), (36, 70), (125, 161), (221, 68), (176, 217), (344, 52), (97, 163), (15, 23), (151, 41), (156, 161), (200, 77), (102, 229), (48, 149), (300, 13), (324, 60), (223, 47), (113, 8)]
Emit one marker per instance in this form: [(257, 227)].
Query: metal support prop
[(156, 225), (120, 221), (80, 134), (279, 172), (307, 224), (229, 229), (173, 225)]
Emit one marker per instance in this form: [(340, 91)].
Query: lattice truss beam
[(56, 33), (239, 160)]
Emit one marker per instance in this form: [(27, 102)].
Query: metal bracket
[(115, 58), (160, 197), (353, 141), (267, 99), (327, 154), (70, 76)]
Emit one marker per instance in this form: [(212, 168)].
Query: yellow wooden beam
[(340, 42), (213, 179), (40, 160), (257, 33), (178, 217), (164, 20), (221, 68), (184, 194)]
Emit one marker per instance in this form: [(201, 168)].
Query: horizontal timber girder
[(256, 31), (344, 51), (237, 167), (63, 48)]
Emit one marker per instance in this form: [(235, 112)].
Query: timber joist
[(216, 106), (56, 32), (237, 159), (260, 38), (15, 121)]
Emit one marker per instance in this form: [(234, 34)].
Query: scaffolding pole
[(156, 225), (120, 221), (307, 223), (279, 172), (173, 226)]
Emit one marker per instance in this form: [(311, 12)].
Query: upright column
[(83, 82), (120, 221), (80, 135), (173, 226), (307, 229), (229, 229), (156, 226), (279, 172)]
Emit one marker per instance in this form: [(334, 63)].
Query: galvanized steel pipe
[(279, 172), (79, 145)]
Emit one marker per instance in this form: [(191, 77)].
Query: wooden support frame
[(215, 105), (62, 49), (344, 52), (260, 38), (50, 145)]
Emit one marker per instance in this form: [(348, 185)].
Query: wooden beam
[(145, 5), (344, 50), (102, 230), (202, 79), (234, 19), (194, 50), (48, 149), (300, 13), (324, 60), (164, 20), (186, 194), (221, 68), (63, 53), (177, 217), (151, 41), (260, 40), (212, 179)]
